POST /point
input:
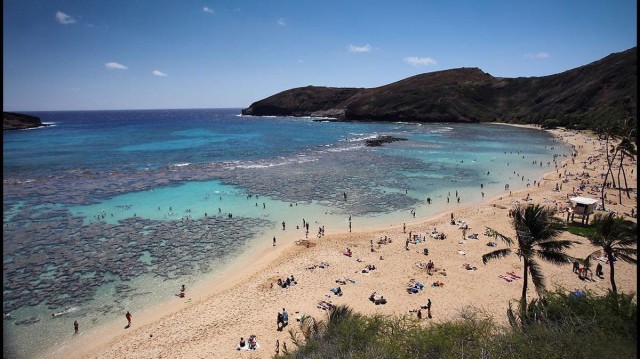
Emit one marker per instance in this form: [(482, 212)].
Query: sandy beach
[(246, 299)]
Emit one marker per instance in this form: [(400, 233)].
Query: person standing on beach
[(128, 316), (285, 317), (280, 321), (76, 326), (274, 241), (429, 308)]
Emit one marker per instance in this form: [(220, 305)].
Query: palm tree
[(536, 229), (312, 329), (616, 237)]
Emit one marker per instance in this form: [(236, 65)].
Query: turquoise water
[(109, 211)]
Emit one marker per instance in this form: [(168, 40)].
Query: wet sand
[(242, 301)]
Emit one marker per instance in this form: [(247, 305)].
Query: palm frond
[(626, 258), (508, 241), (556, 245), (626, 242), (499, 253), (597, 253), (554, 257), (337, 315), (586, 261)]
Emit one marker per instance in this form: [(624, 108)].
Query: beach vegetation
[(550, 124), (616, 238), (560, 325), (536, 230)]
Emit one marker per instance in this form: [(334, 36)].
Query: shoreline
[(213, 321)]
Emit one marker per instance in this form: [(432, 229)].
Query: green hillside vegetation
[(562, 325)]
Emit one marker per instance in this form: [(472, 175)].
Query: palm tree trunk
[(626, 186), (525, 282), (620, 183), (606, 175), (612, 272)]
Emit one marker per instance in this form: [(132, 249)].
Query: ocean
[(109, 211)]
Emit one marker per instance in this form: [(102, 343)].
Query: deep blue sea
[(109, 211)]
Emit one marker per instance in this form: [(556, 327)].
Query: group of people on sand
[(251, 344), (585, 272), (427, 307), (377, 298), (287, 282)]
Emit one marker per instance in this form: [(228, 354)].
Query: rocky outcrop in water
[(18, 121), (582, 96), (381, 140)]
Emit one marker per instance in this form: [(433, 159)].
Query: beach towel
[(246, 347), (324, 305), (514, 275), (377, 298)]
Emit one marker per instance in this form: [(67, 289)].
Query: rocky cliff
[(18, 121), (607, 87)]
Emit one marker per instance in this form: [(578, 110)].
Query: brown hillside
[(607, 87)]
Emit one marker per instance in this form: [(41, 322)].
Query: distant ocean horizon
[(109, 211)]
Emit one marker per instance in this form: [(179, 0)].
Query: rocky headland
[(606, 88), (18, 121)]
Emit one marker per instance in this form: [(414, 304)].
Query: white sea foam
[(343, 149), (441, 130)]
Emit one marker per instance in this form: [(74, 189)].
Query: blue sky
[(139, 54)]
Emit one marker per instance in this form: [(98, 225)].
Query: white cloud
[(206, 9), (281, 22), (539, 55), (159, 73), (115, 66), (64, 18), (365, 48), (419, 61)]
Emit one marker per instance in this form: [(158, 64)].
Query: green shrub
[(589, 327)]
